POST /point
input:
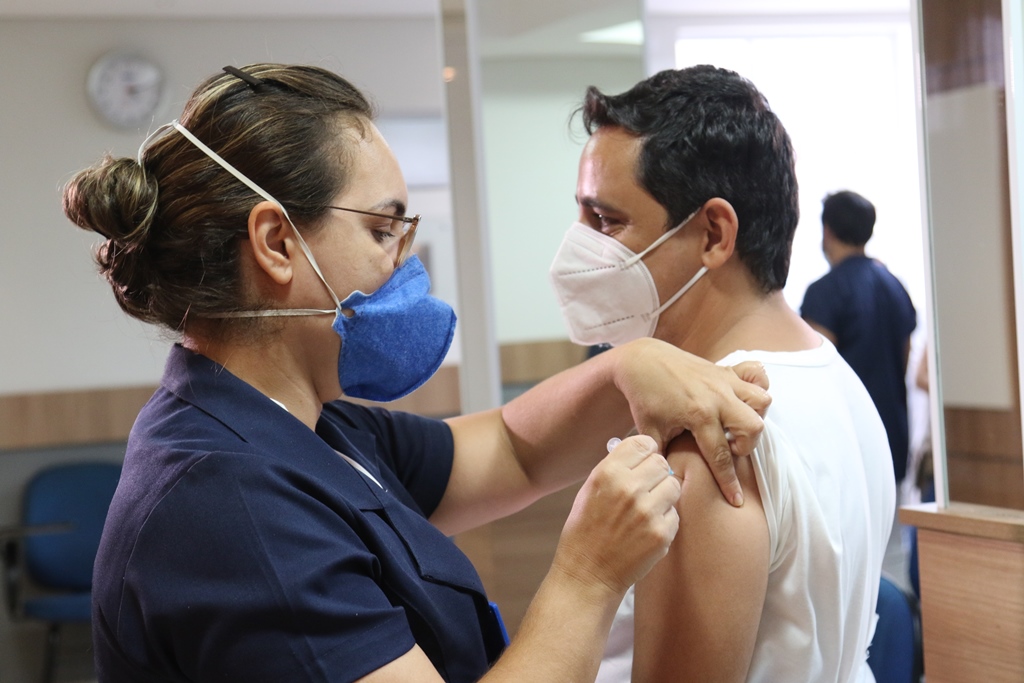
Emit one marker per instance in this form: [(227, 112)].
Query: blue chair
[(896, 655), (63, 511)]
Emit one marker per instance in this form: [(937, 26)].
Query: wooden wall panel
[(534, 361), (984, 457), (104, 415), (985, 481), (513, 554), (993, 433), (962, 43), (69, 417)]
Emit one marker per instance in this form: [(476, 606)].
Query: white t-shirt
[(826, 480)]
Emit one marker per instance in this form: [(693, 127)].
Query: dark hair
[(708, 132), (173, 225), (849, 216)]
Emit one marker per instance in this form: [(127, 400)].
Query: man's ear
[(272, 241), (720, 235)]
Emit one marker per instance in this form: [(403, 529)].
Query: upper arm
[(821, 306), (412, 667), (698, 610), (487, 481)]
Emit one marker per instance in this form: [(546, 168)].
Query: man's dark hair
[(850, 217), (708, 132)]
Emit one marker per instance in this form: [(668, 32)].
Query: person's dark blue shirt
[(242, 546), (871, 316)]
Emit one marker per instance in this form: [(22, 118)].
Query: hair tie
[(253, 82)]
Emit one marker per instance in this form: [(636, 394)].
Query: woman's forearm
[(563, 634)]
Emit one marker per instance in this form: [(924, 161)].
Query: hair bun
[(114, 198)]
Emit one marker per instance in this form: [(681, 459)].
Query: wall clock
[(125, 88)]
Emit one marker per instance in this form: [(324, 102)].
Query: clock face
[(125, 89)]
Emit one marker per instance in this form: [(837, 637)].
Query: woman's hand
[(623, 520), (670, 391)]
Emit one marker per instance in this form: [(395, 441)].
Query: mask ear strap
[(261, 192), (668, 233), (149, 138), (686, 287)]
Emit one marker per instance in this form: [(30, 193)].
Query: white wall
[(966, 152), (60, 326)]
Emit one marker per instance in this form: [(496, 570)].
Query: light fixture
[(629, 33)]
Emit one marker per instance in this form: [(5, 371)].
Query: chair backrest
[(895, 653), (78, 494)]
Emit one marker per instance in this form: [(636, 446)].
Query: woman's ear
[(272, 241), (720, 235)]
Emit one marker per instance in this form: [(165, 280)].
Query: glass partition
[(976, 392), (534, 63), (536, 60)]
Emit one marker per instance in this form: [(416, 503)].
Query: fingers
[(653, 475), (642, 455), (753, 389), (718, 454), (743, 421), (670, 391), (752, 371), (633, 450), (625, 515)]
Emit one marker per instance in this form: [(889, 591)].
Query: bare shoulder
[(697, 612), (700, 491)]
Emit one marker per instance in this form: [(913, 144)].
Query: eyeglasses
[(403, 226)]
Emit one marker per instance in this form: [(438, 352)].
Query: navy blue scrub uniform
[(241, 547), (872, 317)]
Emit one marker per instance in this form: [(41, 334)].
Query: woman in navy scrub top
[(265, 529)]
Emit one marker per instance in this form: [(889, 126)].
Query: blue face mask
[(396, 338), (392, 341)]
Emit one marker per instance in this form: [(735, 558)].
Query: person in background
[(266, 530), (864, 310), (687, 209)]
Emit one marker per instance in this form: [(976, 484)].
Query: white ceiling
[(217, 8), (516, 12), (773, 7), (507, 27)]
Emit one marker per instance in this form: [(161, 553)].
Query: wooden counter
[(971, 567)]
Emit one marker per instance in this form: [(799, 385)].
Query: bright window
[(845, 93)]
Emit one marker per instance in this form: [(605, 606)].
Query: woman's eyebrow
[(396, 204)]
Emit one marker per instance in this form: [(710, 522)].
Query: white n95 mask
[(606, 293)]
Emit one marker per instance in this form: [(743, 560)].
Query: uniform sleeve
[(911, 314), (244, 574), (820, 305)]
